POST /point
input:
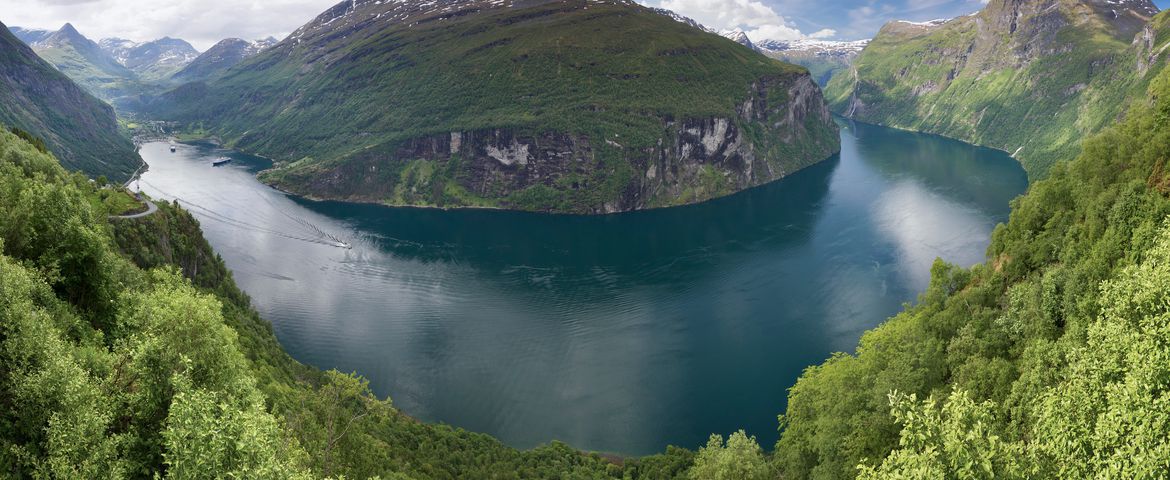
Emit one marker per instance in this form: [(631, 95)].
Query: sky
[(204, 22)]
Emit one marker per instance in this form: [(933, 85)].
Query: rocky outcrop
[(782, 126)]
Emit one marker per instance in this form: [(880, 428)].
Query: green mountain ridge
[(80, 129), (522, 105), (82, 60), (1029, 77)]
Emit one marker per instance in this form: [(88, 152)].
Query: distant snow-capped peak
[(738, 36), (813, 46)]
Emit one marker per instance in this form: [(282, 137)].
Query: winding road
[(150, 208)]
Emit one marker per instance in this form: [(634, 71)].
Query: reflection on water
[(620, 333)]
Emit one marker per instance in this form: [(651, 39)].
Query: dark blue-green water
[(620, 333)]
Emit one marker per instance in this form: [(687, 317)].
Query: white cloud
[(759, 21), (201, 22)]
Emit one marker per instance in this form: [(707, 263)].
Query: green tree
[(328, 417), (739, 459), (210, 435), (951, 441)]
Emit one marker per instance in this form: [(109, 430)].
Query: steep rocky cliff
[(1030, 77), (571, 106), (781, 127)]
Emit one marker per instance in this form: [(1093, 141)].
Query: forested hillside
[(1030, 77), (1050, 360)]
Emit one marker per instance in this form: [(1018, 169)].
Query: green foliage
[(1106, 415), (36, 142), (1055, 343), (214, 436), (951, 441), (104, 365), (739, 459)]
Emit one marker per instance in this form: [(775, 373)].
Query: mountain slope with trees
[(1043, 362), (1030, 77), (572, 106)]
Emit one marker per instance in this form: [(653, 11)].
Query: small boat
[(172, 148), (220, 161)]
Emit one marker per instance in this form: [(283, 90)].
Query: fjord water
[(619, 333)]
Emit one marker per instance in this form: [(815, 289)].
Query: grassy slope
[(78, 128), (606, 71), (1041, 111), (1004, 332)]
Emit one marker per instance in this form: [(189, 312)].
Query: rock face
[(78, 128), (583, 106), (693, 160), (1025, 76)]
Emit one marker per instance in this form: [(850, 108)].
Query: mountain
[(1030, 77), (117, 48), (681, 19), (78, 128), (738, 36), (513, 104), (30, 35), (86, 63), (823, 58), (153, 60), (220, 57)]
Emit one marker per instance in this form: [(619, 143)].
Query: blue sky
[(204, 22), (830, 19)]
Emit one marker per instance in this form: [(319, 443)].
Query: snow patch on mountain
[(812, 47)]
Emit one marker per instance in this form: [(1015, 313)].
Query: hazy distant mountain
[(85, 62), (824, 58), (220, 57), (153, 60), (78, 128), (30, 35)]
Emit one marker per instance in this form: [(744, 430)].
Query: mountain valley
[(649, 249)]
